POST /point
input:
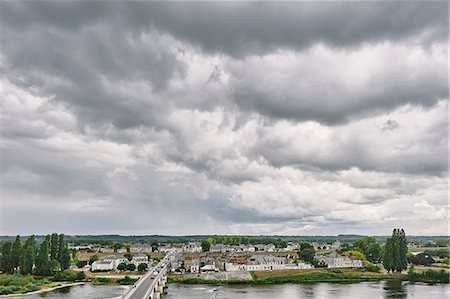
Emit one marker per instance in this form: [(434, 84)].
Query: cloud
[(221, 118)]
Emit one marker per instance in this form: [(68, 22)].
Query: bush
[(428, 276), (69, 275), (9, 290), (372, 268), (127, 280), (102, 280), (122, 266), (421, 259), (81, 264)]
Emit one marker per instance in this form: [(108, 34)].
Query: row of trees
[(46, 258), (395, 252)]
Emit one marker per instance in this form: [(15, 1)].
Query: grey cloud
[(251, 27)]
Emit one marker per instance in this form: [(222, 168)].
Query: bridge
[(151, 285)]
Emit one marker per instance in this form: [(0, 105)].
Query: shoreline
[(43, 290)]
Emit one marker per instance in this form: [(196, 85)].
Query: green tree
[(64, 257), (16, 252), (395, 252), (6, 260), (441, 242), (129, 256), (43, 265), (306, 252), (388, 258), (116, 246), (122, 266), (142, 267), (61, 245), (93, 259), (54, 246), (131, 267), (206, 245), (28, 255), (370, 247)]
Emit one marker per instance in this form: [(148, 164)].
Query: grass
[(19, 284)]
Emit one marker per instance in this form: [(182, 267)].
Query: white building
[(192, 247), (108, 263), (263, 263), (334, 260), (195, 266)]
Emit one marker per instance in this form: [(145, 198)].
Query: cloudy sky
[(226, 118)]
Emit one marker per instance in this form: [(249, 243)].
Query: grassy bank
[(20, 284), (298, 276)]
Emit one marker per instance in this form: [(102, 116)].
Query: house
[(140, 259), (263, 263), (209, 268), (141, 248), (334, 260), (195, 266), (108, 263), (192, 247)]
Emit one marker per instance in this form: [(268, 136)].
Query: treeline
[(50, 256), (237, 240), (160, 239)]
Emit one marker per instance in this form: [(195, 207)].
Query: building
[(334, 260), (263, 263), (195, 266), (192, 247), (108, 263)]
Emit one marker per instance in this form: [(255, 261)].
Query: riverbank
[(296, 276), (43, 290)]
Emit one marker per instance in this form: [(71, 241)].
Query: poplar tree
[(65, 257), (5, 260), (28, 255), (16, 252), (395, 252), (54, 246), (388, 255), (43, 266), (60, 247)]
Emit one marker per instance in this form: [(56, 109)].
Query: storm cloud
[(253, 117)]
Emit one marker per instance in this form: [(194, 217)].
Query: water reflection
[(395, 290)]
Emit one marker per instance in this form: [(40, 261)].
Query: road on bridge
[(140, 288)]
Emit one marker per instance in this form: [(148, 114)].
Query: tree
[(116, 246), (355, 254), (122, 266), (64, 257), (129, 256), (93, 259), (142, 267), (16, 252), (421, 259), (306, 252), (131, 267), (6, 261), (441, 242), (61, 245), (388, 258), (395, 251), (370, 247), (206, 245), (28, 255), (43, 266), (54, 246)]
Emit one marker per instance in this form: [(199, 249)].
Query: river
[(366, 290)]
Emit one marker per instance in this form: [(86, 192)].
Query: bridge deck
[(141, 287)]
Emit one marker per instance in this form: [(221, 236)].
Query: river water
[(363, 290)]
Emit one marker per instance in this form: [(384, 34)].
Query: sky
[(254, 118)]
